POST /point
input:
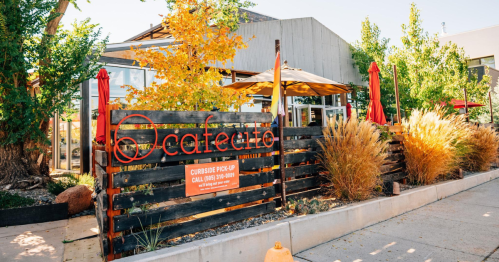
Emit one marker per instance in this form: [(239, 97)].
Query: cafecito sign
[(201, 178)]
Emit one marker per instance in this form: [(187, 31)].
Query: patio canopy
[(295, 81)]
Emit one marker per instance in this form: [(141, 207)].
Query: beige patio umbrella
[(294, 81)]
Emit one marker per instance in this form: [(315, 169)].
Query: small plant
[(151, 239), (385, 134), (8, 200), (67, 181), (59, 186), (352, 153), (435, 144), (483, 145), (85, 179), (305, 206)]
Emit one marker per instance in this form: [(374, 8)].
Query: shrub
[(68, 181), (8, 200), (435, 144), (353, 154), (85, 179), (59, 186), (483, 144)]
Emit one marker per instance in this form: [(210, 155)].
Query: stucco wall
[(478, 43)]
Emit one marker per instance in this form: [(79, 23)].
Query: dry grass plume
[(483, 145), (435, 144), (353, 155)]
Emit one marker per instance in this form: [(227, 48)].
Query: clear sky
[(122, 19)]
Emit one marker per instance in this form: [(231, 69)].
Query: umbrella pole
[(286, 115), (466, 105), (491, 113), (282, 165), (396, 83)]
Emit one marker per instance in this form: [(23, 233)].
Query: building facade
[(482, 47), (305, 44)]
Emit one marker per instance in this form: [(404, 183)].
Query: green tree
[(429, 72), (485, 116), (373, 48), (34, 46)]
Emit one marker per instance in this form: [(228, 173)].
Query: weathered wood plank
[(102, 219), (129, 242), (295, 171), (395, 147), (300, 144), (299, 184), (396, 129), (397, 138), (395, 157), (172, 173), (101, 177), (127, 200), (102, 200), (148, 136), (154, 216), (188, 117), (155, 157), (104, 244), (299, 131), (101, 157), (392, 168), (297, 158), (393, 176)]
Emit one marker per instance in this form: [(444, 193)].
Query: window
[(118, 77), (306, 100), (485, 61)]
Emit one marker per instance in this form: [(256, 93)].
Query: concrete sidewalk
[(43, 242), (463, 227)]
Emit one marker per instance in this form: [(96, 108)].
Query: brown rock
[(79, 198)]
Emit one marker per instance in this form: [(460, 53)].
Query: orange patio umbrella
[(375, 109)]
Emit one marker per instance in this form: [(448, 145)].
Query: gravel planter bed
[(40, 195), (247, 223)]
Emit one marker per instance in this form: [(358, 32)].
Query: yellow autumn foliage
[(187, 80)]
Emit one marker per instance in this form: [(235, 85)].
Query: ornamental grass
[(353, 154), (435, 144), (483, 145)]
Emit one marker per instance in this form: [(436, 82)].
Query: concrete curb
[(304, 232)]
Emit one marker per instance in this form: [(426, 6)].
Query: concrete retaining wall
[(303, 232)]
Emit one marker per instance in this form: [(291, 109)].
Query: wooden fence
[(141, 173), (302, 166)]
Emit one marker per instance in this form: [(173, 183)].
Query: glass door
[(302, 115), (335, 113)]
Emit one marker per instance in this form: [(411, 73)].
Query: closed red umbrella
[(103, 85), (349, 110), (375, 109)]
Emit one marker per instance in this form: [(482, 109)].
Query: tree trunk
[(15, 165), (21, 162)]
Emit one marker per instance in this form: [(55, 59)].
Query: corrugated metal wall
[(305, 44)]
